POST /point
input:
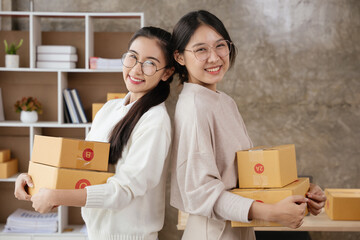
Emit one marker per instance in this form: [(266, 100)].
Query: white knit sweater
[(131, 205)]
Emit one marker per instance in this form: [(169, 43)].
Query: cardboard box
[(4, 155), (267, 167), (70, 153), (9, 168), (115, 96), (271, 196), (45, 176), (95, 108), (343, 204)]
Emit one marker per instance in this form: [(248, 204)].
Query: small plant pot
[(11, 61), (28, 117)]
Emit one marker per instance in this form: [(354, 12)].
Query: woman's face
[(210, 71), (144, 50)]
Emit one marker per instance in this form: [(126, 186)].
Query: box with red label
[(45, 176), (8, 168), (267, 167), (271, 196), (70, 153), (343, 204)]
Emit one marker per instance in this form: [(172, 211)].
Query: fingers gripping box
[(271, 196), (343, 204), (70, 153), (45, 176), (267, 167)]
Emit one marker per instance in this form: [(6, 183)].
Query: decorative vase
[(11, 61), (28, 117)]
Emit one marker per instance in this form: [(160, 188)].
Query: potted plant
[(29, 108), (11, 58)]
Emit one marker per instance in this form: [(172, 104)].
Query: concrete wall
[(296, 78)]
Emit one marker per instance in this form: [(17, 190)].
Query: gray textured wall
[(296, 77)]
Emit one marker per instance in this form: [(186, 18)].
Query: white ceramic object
[(29, 117), (12, 61)]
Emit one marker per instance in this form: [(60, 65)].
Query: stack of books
[(73, 107), (105, 63), (24, 221), (56, 56)]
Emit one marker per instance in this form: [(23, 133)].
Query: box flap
[(344, 193), (270, 148)]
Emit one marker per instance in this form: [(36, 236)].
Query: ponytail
[(121, 133)]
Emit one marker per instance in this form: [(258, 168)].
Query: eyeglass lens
[(129, 60), (222, 49)]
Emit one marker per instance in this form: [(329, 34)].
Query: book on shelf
[(2, 116), (71, 106), (78, 105), (57, 64), (25, 221), (67, 118), (56, 57), (105, 63), (56, 49)]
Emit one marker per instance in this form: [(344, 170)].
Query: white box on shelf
[(57, 65), (57, 57), (56, 49)]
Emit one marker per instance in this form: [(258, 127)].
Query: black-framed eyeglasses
[(202, 52), (148, 67)]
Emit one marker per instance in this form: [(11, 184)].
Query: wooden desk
[(311, 223)]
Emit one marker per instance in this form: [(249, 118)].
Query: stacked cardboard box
[(343, 204), (97, 106), (63, 163), (8, 166), (268, 175)]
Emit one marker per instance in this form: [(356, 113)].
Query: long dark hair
[(121, 133), (184, 30)]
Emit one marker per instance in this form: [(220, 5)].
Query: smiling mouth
[(213, 70), (136, 80)]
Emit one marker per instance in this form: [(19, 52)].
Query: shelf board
[(10, 179), (72, 14), (15, 14), (44, 124), (3, 69)]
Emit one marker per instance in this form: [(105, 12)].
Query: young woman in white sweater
[(131, 205), (208, 131)]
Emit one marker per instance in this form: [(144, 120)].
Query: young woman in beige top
[(208, 131)]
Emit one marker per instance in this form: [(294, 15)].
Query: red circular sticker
[(259, 201), (82, 183), (88, 154), (259, 168)]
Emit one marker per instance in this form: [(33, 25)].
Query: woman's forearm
[(66, 197)]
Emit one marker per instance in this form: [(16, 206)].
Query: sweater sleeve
[(198, 178), (140, 170)]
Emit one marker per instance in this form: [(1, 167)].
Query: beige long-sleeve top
[(208, 131)]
